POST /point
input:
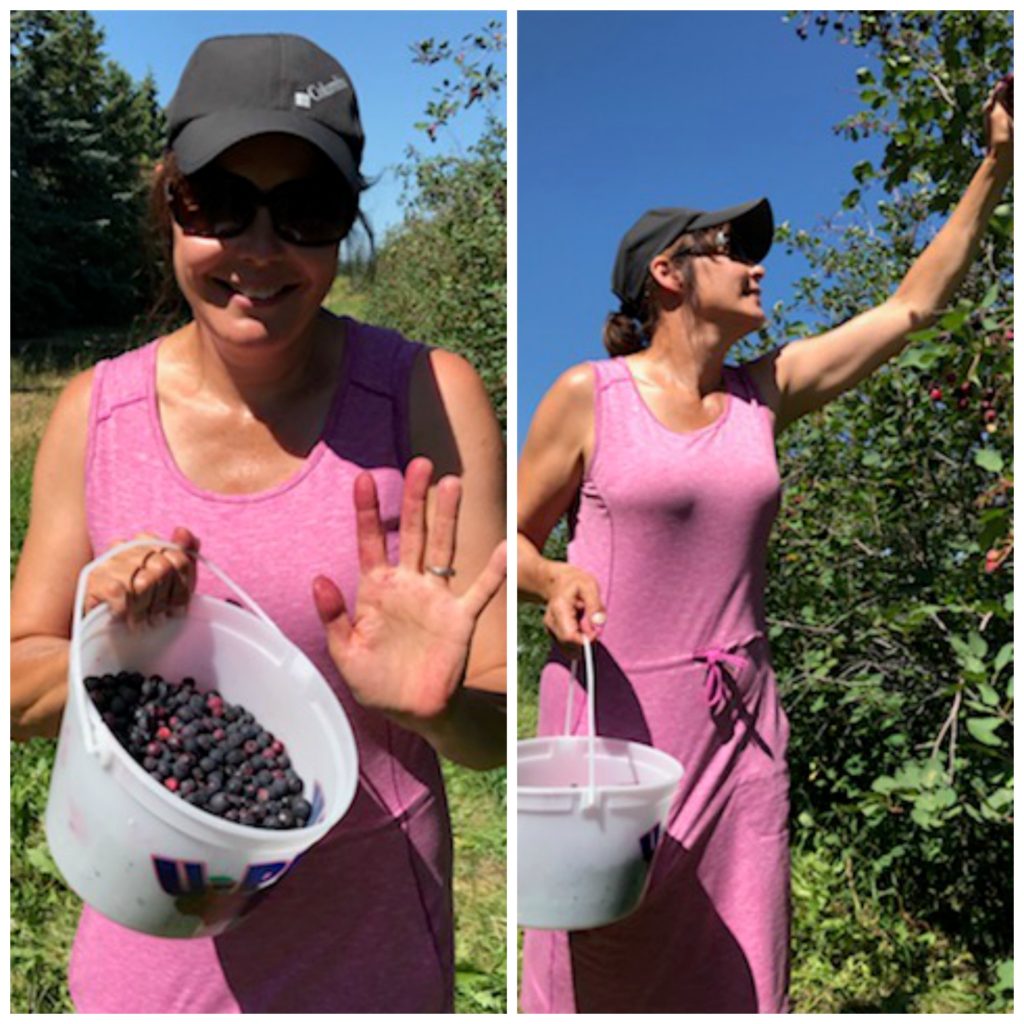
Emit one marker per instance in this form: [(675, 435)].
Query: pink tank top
[(675, 526), (363, 923)]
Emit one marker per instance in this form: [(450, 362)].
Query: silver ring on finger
[(446, 572)]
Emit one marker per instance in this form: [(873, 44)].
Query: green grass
[(44, 912)]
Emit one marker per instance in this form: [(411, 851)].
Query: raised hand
[(404, 649), (143, 585), (998, 112)]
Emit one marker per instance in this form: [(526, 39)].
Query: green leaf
[(863, 171), (973, 666), (988, 695), (990, 296), (39, 857), (984, 730), (1004, 977), (990, 459), (1003, 658), (977, 645), (954, 319)]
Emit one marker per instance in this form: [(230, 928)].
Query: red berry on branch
[(963, 403), (990, 415), (936, 394)]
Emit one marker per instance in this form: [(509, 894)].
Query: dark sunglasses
[(724, 245), (214, 203)]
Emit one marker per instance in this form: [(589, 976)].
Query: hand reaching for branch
[(404, 650), (999, 118)]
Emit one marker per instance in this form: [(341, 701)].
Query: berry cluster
[(962, 394), (212, 754)]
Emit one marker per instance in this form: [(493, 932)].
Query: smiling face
[(255, 289)]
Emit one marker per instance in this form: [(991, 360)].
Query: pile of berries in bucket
[(213, 754)]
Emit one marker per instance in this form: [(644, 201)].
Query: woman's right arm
[(139, 585), (55, 550), (557, 449)]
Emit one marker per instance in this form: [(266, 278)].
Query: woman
[(276, 435), (665, 458)]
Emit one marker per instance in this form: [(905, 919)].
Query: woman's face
[(255, 289), (728, 292)]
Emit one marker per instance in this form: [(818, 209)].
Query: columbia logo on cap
[(319, 91)]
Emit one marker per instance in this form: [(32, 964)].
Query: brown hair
[(169, 308), (625, 334)]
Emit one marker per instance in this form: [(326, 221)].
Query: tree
[(891, 593), (81, 135), (440, 275)]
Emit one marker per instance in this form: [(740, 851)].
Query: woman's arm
[(453, 424), (807, 374), (558, 448), (139, 586), (55, 550)]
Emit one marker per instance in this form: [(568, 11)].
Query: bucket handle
[(77, 693), (590, 799)]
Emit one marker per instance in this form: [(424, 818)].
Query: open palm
[(404, 649)]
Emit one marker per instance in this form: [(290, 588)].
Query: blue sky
[(621, 112), (373, 47)]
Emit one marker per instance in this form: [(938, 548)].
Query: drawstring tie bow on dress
[(714, 682)]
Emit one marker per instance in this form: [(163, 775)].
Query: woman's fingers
[(488, 583), (186, 539), (166, 584), (593, 614), (440, 551), (576, 611), (413, 524), (330, 606), (369, 531), (562, 620)]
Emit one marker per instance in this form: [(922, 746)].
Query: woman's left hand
[(999, 120), (403, 652)]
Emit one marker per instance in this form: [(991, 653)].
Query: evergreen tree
[(82, 135)]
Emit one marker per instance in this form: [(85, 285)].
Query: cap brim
[(753, 221), (205, 138)]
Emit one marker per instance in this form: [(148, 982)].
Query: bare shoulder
[(575, 386), (69, 422), (568, 405), (454, 374), (451, 419)]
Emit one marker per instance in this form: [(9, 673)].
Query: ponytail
[(622, 335)]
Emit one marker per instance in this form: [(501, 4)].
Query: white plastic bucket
[(133, 850), (590, 813)]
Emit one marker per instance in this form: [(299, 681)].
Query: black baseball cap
[(752, 228), (235, 87)]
